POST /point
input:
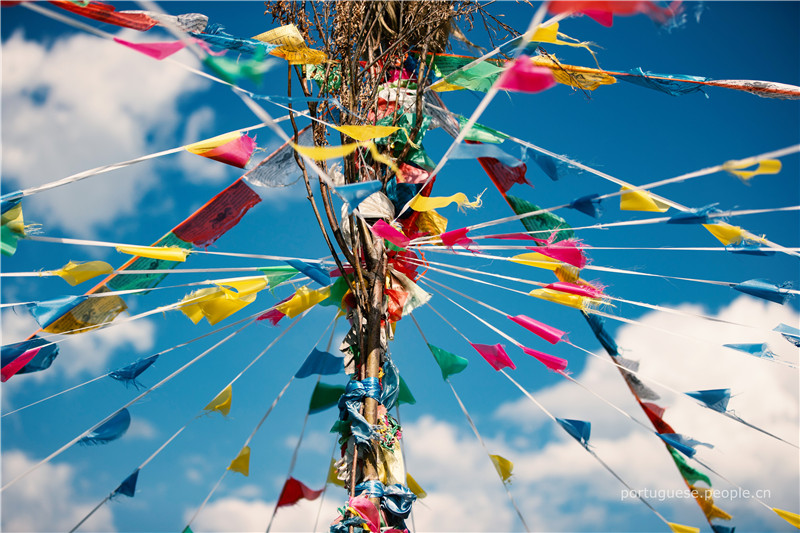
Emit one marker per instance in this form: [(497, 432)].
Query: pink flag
[(548, 333), (525, 77), (16, 365), (457, 237), (412, 174), (603, 11), (273, 315), (384, 230), (568, 251), (236, 153), (589, 291), (155, 50), (556, 364), (368, 512), (495, 355)]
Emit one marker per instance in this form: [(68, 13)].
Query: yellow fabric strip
[(678, 528), (414, 487), (367, 132), (549, 34), (424, 203), (202, 147), (503, 466), (164, 253), (222, 402), (635, 200), (792, 518), (537, 260), (563, 298), (332, 472), (193, 309), (725, 233), (242, 462), (768, 166), (75, 273), (432, 223), (585, 78), (323, 153), (302, 300)]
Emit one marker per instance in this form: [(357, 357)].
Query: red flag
[(293, 491)]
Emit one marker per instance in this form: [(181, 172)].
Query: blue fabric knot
[(397, 499), (372, 388), (372, 488)]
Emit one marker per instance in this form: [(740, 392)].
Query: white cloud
[(78, 103), (765, 394), (239, 514), (198, 169), (46, 499), (83, 354), (140, 428)]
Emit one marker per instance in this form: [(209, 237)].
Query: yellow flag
[(89, 314), (443, 86), (218, 309), (291, 46), (202, 147), (75, 273), (636, 200), (677, 528), (367, 132), (431, 222), (287, 35), (535, 259), (792, 518), (767, 166), (193, 310), (725, 233), (705, 499), (503, 466), (323, 153), (303, 299), (414, 487), (240, 289), (585, 78), (563, 298), (242, 462), (13, 219), (549, 34), (424, 203), (222, 402), (218, 303), (164, 253), (332, 472)]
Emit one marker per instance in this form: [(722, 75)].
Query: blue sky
[(71, 101)]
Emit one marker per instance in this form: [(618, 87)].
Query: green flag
[(481, 133), (278, 274), (324, 396), (405, 396), (542, 221), (689, 473), (448, 362)]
